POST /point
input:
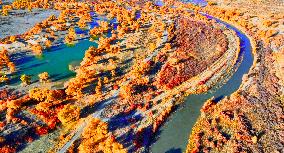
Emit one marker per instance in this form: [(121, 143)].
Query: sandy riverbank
[(249, 120)]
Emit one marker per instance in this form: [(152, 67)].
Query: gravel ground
[(19, 21)]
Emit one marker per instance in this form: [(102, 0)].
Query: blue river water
[(173, 136)]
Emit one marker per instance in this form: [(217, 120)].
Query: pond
[(56, 60)]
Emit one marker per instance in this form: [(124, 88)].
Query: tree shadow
[(123, 119), (217, 99), (21, 58), (86, 111), (129, 49), (155, 68), (127, 140), (30, 67), (59, 77), (18, 136)]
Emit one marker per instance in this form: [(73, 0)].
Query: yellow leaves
[(38, 94), (51, 17), (44, 106), (4, 78), (212, 3), (12, 67), (61, 18), (87, 17), (21, 4), (266, 34), (71, 33), (91, 52), (104, 25), (83, 77), (5, 61), (4, 56), (37, 49), (110, 16), (148, 5), (71, 36), (271, 32), (5, 12), (82, 23), (68, 40), (46, 95), (106, 80), (127, 90), (121, 32), (104, 7), (98, 90), (157, 28), (208, 106), (14, 104), (74, 87), (114, 49), (96, 31), (70, 113), (30, 8), (104, 43), (100, 82), (43, 77), (267, 23), (26, 80), (173, 61), (139, 69), (96, 138), (113, 73), (167, 46), (135, 26), (254, 139), (152, 46), (12, 38), (48, 43)]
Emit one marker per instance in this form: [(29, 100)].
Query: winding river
[(173, 136)]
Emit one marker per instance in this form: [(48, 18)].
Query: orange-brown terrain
[(141, 62), (251, 119)]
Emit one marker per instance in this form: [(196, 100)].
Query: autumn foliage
[(198, 46), (5, 61), (26, 79), (96, 138), (69, 113), (43, 77)]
